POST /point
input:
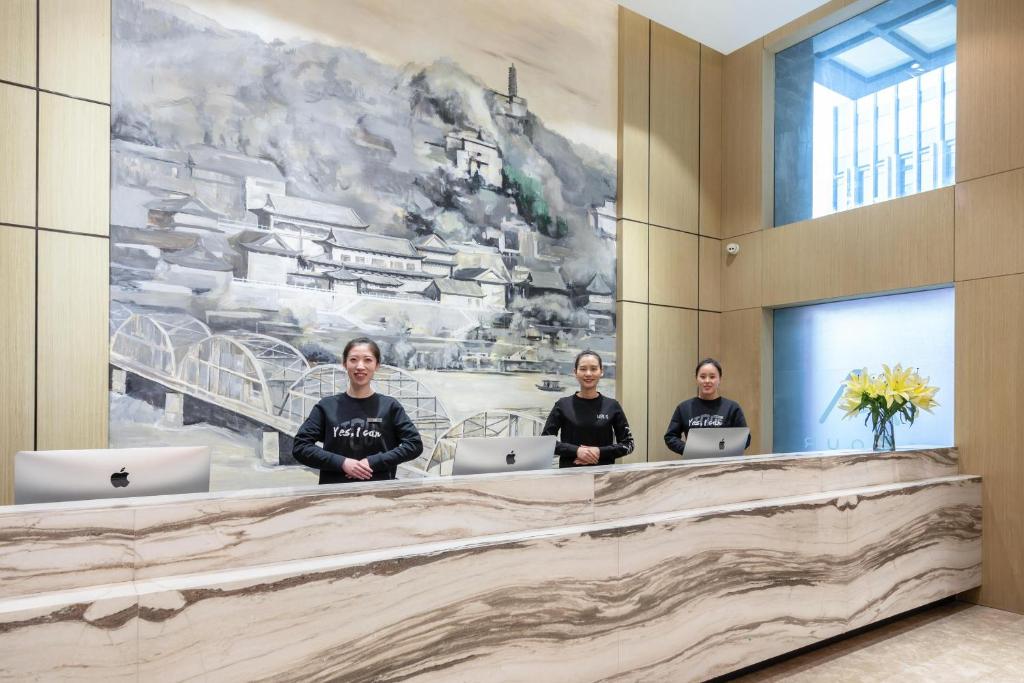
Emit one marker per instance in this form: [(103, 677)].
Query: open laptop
[(715, 442), (482, 455), (54, 476)]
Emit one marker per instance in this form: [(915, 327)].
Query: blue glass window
[(817, 346), (866, 111)]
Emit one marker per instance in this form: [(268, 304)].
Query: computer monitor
[(715, 442), (55, 476), (482, 455)]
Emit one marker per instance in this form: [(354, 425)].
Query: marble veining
[(671, 596)]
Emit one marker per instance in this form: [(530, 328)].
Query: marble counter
[(670, 571)]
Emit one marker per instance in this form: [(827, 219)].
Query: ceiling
[(724, 25)]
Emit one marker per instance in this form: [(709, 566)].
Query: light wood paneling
[(74, 48), (673, 271), (17, 339), (18, 152), (746, 369), (74, 165), (72, 386), (989, 431), (900, 244), (673, 353), (989, 235), (709, 338), (634, 115), (710, 142), (710, 292), (632, 262), (741, 273), (18, 41), (743, 177), (989, 104), (675, 129), (631, 373)]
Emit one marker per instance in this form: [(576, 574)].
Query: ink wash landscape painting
[(287, 175)]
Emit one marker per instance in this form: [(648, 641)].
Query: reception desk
[(668, 571)]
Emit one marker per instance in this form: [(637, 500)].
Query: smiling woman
[(707, 409), (365, 435), (592, 429)]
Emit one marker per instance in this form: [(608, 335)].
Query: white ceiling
[(724, 25)]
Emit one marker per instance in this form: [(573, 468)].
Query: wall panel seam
[(72, 97)]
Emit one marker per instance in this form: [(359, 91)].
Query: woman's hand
[(357, 469), (587, 455)]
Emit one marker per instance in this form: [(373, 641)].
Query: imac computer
[(482, 455), (54, 476), (715, 442)]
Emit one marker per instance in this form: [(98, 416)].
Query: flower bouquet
[(897, 391)]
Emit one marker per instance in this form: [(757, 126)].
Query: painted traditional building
[(600, 305), (232, 183), (602, 219), (302, 223), (495, 286), (511, 109), (182, 213), (438, 255), (459, 293), (474, 155)]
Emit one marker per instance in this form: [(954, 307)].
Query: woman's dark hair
[(587, 352), (359, 341), (708, 361)]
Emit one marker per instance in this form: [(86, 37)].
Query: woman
[(591, 428), (365, 434), (707, 409)]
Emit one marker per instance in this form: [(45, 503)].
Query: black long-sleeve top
[(699, 412), (376, 428), (596, 421)]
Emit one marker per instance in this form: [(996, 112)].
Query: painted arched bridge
[(254, 375)]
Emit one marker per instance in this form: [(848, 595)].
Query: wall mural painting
[(286, 175)]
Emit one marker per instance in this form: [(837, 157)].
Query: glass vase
[(884, 439)]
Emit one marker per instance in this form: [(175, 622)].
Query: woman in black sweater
[(365, 435), (707, 409), (591, 428)]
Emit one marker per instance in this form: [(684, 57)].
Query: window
[(866, 111), (816, 348)]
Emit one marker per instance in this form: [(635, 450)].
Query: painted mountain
[(272, 199)]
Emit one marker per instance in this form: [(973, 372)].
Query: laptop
[(483, 455), (56, 476), (715, 442)]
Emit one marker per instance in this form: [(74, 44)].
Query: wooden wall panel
[(743, 177), (709, 295), (675, 130), (990, 108), (901, 244), (17, 339), (74, 48), (673, 267), (741, 273), (74, 165), (989, 233), (746, 370), (710, 214), (18, 41), (72, 372), (18, 152), (634, 115), (673, 353), (989, 431), (631, 373), (632, 262), (709, 335)]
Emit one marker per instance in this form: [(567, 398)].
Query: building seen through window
[(866, 111)]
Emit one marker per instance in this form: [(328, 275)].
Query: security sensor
[(732, 248)]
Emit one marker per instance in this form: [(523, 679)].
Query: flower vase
[(884, 439)]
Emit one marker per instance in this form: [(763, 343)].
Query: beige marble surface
[(950, 643), (675, 596), (63, 546)]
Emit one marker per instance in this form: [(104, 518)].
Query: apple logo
[(721, 445), (119, 479), (510, 459)]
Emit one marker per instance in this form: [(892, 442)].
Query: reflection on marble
[(677, 596)]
